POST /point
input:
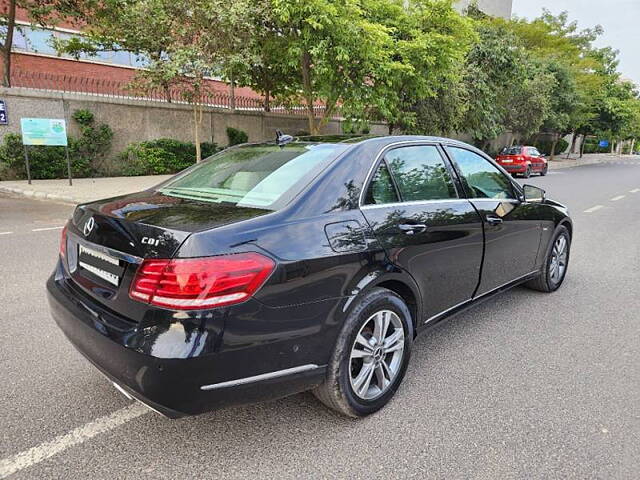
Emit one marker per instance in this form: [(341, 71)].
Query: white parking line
[(635, 190), (593, 209), (619, 197), (37, 454), (45, 229), (6, 233)]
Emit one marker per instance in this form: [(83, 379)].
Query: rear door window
[(420, 173), (513, 151), (381, 188)]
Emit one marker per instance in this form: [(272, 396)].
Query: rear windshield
[(257, 176), (512, 151)]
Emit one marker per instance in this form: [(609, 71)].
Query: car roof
[(379, 139)]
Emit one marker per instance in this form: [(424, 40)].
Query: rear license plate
[(507, 161), (100, 264)]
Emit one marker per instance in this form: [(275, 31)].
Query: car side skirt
[(461, 307)]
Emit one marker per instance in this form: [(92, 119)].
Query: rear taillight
[(197, 283), (63, 242)]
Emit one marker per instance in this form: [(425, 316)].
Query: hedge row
[(89, 152)]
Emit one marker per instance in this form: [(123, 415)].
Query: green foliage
[(44, 162), (87, 153), (183, 41), (236, 136), (427, 43), (544, 146), (161, 157), (94, 143), (592, 145), (418, 65)]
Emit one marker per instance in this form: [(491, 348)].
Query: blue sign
[(604, 143), (44, 131), (4, 120)]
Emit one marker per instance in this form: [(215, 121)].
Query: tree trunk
[(633, 144), (584, 141), (613, 143), (232, 92), (391, 127), (307, 91), (8, 43), (167, 92), (556, 138), (267, 101), (197, 120), (573, 144)]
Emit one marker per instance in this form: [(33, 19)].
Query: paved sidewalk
[(83, 189), (89, 189), (588, 159)]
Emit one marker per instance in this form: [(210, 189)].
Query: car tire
[(527, 173), (544, 171), (346, 368), (551, 279)]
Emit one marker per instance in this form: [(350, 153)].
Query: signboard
[(44, 131), (4, 120), (604, 143)]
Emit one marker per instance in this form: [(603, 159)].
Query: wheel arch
[(568, 225)]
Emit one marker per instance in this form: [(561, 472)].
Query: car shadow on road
[(294, 427)]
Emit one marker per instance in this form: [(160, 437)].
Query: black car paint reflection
[(329, 249)]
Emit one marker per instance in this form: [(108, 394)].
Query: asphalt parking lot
[(527, 385)]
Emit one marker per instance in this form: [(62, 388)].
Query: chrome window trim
[(109, 251), (263, 376), (512, 200), (376, 161), (414, 202)]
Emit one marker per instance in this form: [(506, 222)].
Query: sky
[(619, 18)]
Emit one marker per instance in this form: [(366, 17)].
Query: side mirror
[(533, 194)]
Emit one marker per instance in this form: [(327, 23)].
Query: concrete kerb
[(54, 197)]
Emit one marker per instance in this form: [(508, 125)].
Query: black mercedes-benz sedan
[(301, 264)]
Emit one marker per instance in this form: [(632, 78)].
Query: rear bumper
[(514, 167), (213, 374)]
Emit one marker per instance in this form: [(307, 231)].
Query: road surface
[(528, 385)]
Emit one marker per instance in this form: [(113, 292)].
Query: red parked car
[(521, 160)]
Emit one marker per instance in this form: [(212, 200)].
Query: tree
[(182, 42), (428, 42), (564, 104), (443, 113), (43, 12), (332, 54), (268, 74), (504, 88), (529, 102)]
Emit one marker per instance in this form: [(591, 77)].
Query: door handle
[(411, 228), (493, 220)]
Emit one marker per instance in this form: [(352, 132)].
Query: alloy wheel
[(376, 355), (559, 255)]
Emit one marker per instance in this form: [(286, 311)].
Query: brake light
[(63, 242), (197, 283)]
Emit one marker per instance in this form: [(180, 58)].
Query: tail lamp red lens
[(63, 242), (199, 283)]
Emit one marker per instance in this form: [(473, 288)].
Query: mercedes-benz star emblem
[(88, 227)]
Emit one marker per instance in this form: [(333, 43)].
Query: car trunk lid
[(108, 239)]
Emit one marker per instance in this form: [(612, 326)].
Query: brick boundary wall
[(135, 120)]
